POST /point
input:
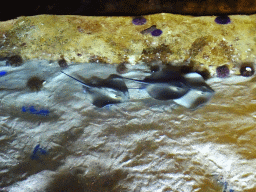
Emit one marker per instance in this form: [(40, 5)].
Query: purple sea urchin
[(156, 32), (139, 21), (222, 71), (222, 20), (15, 61)]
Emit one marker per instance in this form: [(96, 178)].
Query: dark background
[(13, 9)]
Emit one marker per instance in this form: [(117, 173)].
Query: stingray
[(189, 90), (163, 85), (104, 91)]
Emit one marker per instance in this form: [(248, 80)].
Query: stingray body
[(189, 90), (104, 91), (163, 85)]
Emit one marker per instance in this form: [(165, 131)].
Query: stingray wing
[(199, 94), (194, 99), (102, 101), (196, 81), (116, 83), (102, 96)]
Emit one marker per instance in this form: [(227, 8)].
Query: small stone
[(222, 20), (222, 71), (156, 32), (139, 21)]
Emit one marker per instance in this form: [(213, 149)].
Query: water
[(142, 145)]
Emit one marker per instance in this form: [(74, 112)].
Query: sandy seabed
[(142, 145)]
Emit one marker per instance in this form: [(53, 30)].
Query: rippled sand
[(143, 145)]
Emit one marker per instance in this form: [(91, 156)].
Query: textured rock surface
[(196, 41), (141, 145)]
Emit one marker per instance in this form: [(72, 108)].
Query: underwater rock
[(198, 39)]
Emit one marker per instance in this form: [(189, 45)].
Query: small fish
[(104, 91), (163, 85)]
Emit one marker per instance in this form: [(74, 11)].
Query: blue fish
[(104, 91)]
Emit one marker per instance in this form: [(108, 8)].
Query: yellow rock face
[(185, 39)]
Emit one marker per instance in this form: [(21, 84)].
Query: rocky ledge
[(202, 43)]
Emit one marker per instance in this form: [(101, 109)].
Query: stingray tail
[(113, 76), (76, 79)]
